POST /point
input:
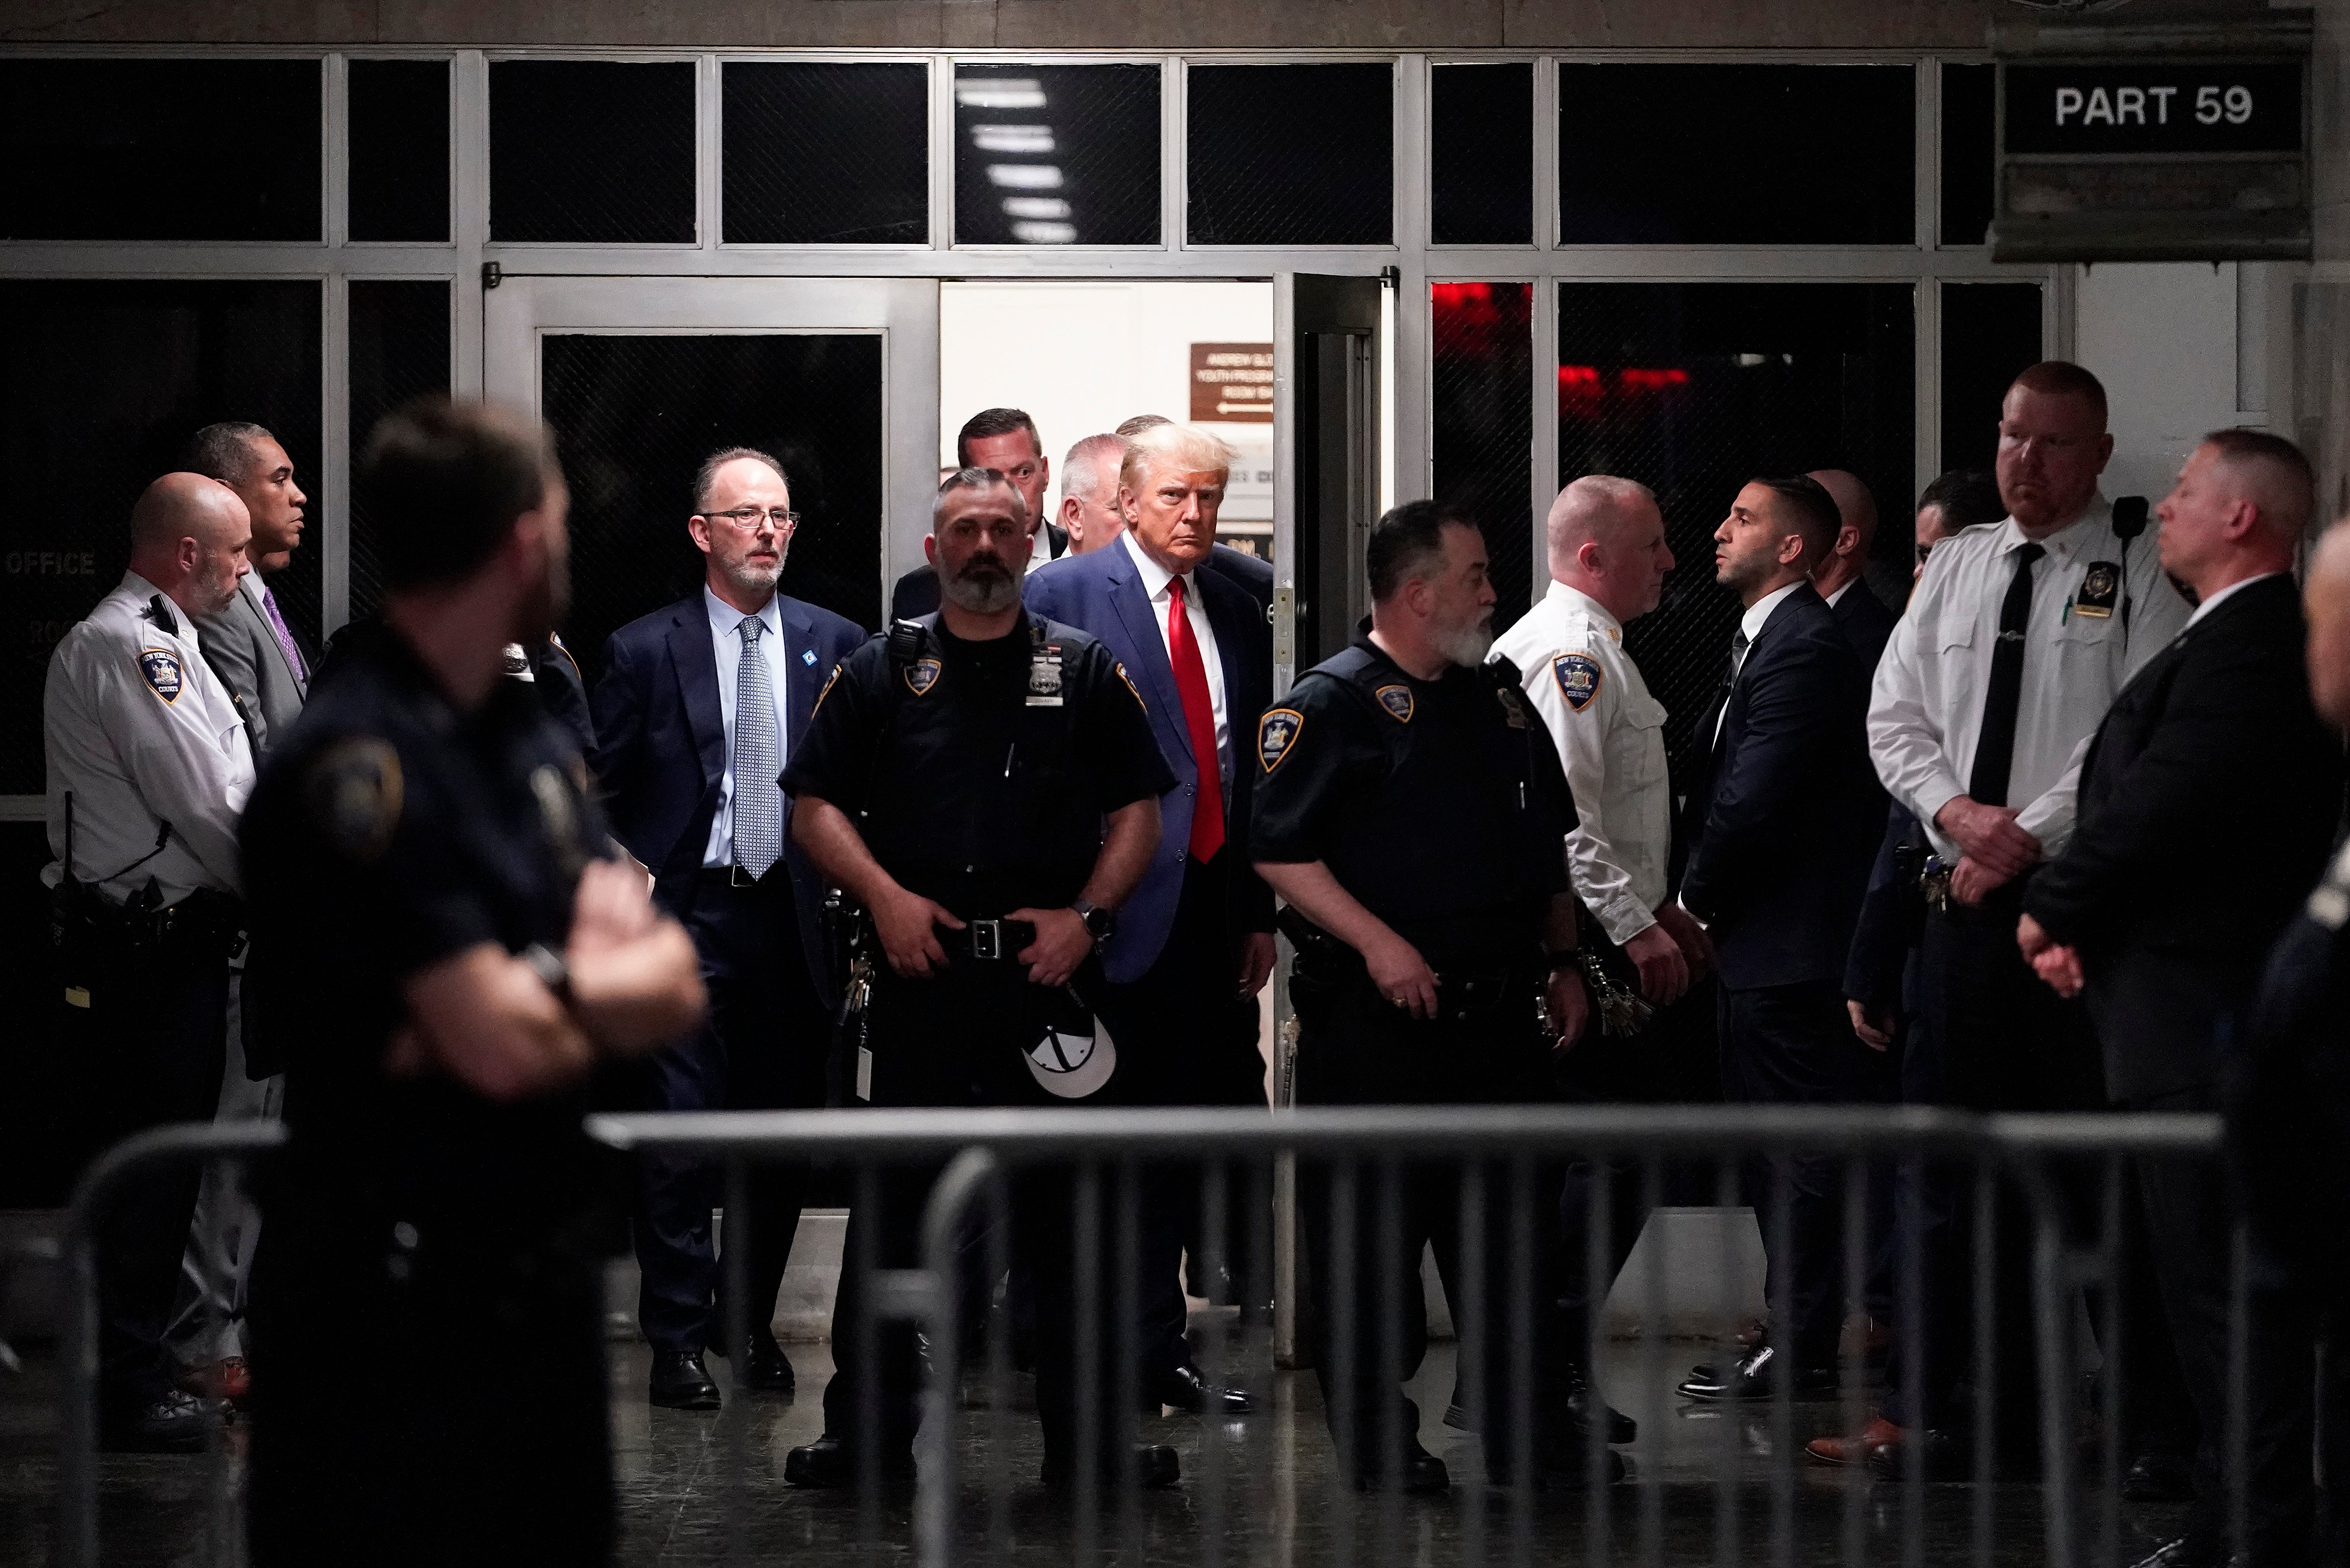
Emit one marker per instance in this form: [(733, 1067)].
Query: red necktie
[(1200, 719)]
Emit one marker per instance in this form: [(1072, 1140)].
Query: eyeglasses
[(747, 517)]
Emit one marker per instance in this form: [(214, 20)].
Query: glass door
[(641, 379)]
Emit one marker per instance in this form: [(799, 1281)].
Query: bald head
[(1856, 512), (1607, 541), (189, 535), (2325, 598)]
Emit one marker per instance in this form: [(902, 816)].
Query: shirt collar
[(2208, 606), (1575, 599), (2082, 533), (1155, 578), (1752, 623), (724, 619)]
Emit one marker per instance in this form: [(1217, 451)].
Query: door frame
[(903, 312)]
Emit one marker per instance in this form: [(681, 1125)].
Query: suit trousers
[(1990, 1036), (1185, 1038), (208, 1313), (1366, 1223), (956, 1039), (1674, 1060), (149, 1049), (1794, 1045), (2191, 1221), (763, 1047)]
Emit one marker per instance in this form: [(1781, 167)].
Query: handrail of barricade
[(981, 1144), (182, 1143)]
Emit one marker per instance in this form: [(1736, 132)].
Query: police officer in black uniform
[(984, 786), (1412, 815), (443, 951)]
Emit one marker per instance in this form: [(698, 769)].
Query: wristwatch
[(1100, 923), (551, 969)]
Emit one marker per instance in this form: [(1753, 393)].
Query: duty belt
[(988, 941)]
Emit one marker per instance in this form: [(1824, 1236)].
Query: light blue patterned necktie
[(758, 760)]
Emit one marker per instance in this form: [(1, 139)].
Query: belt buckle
[(739, 876), (987, 939)]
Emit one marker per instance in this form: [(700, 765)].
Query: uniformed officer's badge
[(355, 792), (921, 675), (1513, 707), (2101, 585), (1276, 733), (517, 663), (160, 666), (1130, 686), (829, 682), (1396, 701), (1045, 676), (1578, 679)]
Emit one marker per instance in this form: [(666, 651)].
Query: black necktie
[(1995, 747)]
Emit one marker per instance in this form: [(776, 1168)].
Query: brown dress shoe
[(1880, 1436)]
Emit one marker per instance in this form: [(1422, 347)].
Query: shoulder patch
[(1130, 686), (160, 666), (829, 682), (1513, 707), (921, 675), (1578, 679), (355, 792), (1276, 733), (1396, 701)]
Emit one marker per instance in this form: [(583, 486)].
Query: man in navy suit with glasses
[(695, 715)]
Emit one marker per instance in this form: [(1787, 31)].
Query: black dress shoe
[(679, 1382), (2159, 1478), (766, 1368), (1581, 1400), (173, 1424), (1188, 1388), (1422, 1474), (2188, 1551), (1155, 1467), (1755, 1377), (826, 1463)]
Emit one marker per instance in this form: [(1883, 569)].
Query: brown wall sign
[(1232, 382)]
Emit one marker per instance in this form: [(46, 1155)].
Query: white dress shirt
[(1925, 713), (2208, 606), (1155, 578), (726, 642), (1613, 751), (140, 732), (1757, 615)]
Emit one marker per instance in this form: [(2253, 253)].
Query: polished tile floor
[(700, 1489)]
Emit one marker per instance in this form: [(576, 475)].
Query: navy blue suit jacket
[(1786, 819), (661, 746), (1102, 593)]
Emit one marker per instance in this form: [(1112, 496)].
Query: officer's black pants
[(149, 1049), (1991, 1036), (1185, 1037), (1794, 1045), (375, 1437), (957, 1039), (1366, 1224), (762, 1047)]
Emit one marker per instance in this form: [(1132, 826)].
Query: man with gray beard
[(699, 708)]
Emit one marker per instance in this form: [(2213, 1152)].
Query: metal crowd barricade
[(1720, 1484)]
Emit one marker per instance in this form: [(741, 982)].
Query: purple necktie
[(285, 637)]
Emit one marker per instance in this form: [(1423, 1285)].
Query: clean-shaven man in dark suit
[(1781, 831), (1090, 514), (2214, 741), (1842, 575), (1005, 440), (1194, 941), (696, 713)]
